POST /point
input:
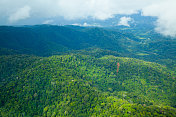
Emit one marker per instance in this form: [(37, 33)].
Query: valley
[(48, 70)]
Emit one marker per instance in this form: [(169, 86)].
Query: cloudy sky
[(46, 11)]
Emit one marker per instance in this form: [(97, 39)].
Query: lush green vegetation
[(46, 40), (80, 85), (71, 71)]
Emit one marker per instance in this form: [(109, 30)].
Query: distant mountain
[(138, 20), (46, 40)]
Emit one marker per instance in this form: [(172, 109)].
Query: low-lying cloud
[(165, 11), (124, 21), (20, 14), (25, 10), (86, 25)]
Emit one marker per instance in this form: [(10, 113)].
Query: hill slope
[(81, 85), (47, 40)]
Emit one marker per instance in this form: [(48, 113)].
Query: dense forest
[(54, 71)]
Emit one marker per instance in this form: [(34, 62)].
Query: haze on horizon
[(24, 12)]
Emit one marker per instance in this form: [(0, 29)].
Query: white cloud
[(98, 9), (75, 9), (165, 11), (20, 14), (87, 25), (125, 21), (76, 24), (48, 22)]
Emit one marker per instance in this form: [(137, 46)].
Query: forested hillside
[(53, 71), (77, 85), (47, 40)]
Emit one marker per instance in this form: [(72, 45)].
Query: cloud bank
[(20, 14), (166, 13), (25, 10)]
